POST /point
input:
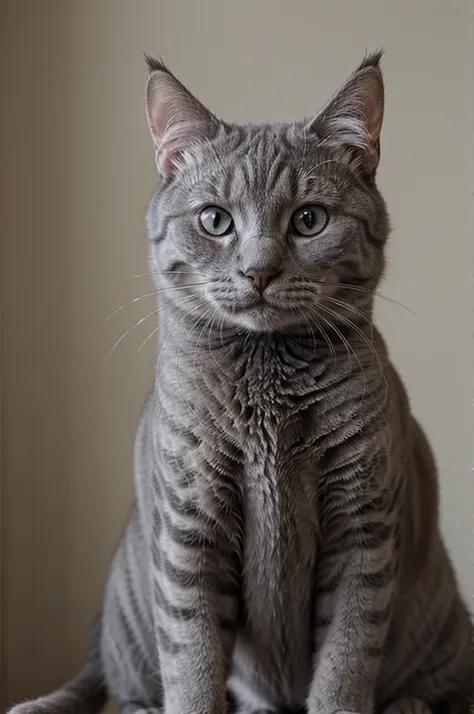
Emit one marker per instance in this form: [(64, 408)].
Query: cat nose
[(261, 278)]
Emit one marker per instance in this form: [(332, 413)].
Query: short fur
[(283, 545)]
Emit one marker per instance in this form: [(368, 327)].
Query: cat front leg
[(195, 587), (353, 609)]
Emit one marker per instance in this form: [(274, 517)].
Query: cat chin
[(264, 318)]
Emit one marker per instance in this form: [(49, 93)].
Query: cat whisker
[(329, 343), (313, 336), (352, 308), (135, 277), (349, 349), (154, 434), (196, 346), (158, 291), (192, 311), (339, 302), (136, 324), (150, 336), (211, 351), (247, 339), (369, 293), (157, 272), (364, 338), (189, 331), (221, 336), (156, 311), (368, 342)]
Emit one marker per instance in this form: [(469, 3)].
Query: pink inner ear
[(374, 125), (176, 119), (157, 116), (164, 95), (373, 128)]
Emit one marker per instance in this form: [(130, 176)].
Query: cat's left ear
[(177, 120), (352, 120)]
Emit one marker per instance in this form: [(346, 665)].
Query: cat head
[(268, 226)]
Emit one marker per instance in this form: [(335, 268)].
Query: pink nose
[(261, 278)]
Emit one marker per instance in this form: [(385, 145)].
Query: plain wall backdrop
[(79, 169)]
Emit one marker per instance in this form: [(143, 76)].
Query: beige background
[(79, 173)]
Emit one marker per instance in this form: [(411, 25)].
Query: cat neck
[(202, 335)]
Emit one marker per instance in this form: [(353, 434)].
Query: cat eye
[(309, 220), (216, 221)]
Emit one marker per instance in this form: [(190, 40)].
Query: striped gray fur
[(284, 543)]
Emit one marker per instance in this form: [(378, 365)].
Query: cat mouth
[(260, 313), (259, 304), (263, 310)]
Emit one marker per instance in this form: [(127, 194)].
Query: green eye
[(216, 221), (309, 220)]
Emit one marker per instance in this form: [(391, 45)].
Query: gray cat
[(283, 547)]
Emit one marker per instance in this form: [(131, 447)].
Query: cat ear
[(177, 120), (353, 118)]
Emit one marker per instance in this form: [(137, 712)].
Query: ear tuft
[(372, 59), (155, 65)]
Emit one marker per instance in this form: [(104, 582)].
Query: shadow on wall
[(36, 424)]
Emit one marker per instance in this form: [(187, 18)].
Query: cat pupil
[(307, 218), (216, 219)]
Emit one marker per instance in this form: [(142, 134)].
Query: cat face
[(268, 226)]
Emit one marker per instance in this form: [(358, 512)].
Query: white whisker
[(158, 291), (142, 320)]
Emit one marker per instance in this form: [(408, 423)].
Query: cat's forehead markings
[(252, 217)]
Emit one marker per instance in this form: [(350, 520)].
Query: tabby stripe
[(277, 171), (166, 644), (176, 462), (328, 587), (245, 173), (184, 507), (221, 477), (367, 509), (174, 611), (157, 554), (350, 459), (162, 229), (127, 602), (366, 536), (226, 187), (188, 579), (380, 579), (377, 618), (135, 645), (194, 539)]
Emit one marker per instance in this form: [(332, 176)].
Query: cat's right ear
[(177, 120), (352, 120)]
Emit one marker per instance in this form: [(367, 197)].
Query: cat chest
[(280, 546)]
